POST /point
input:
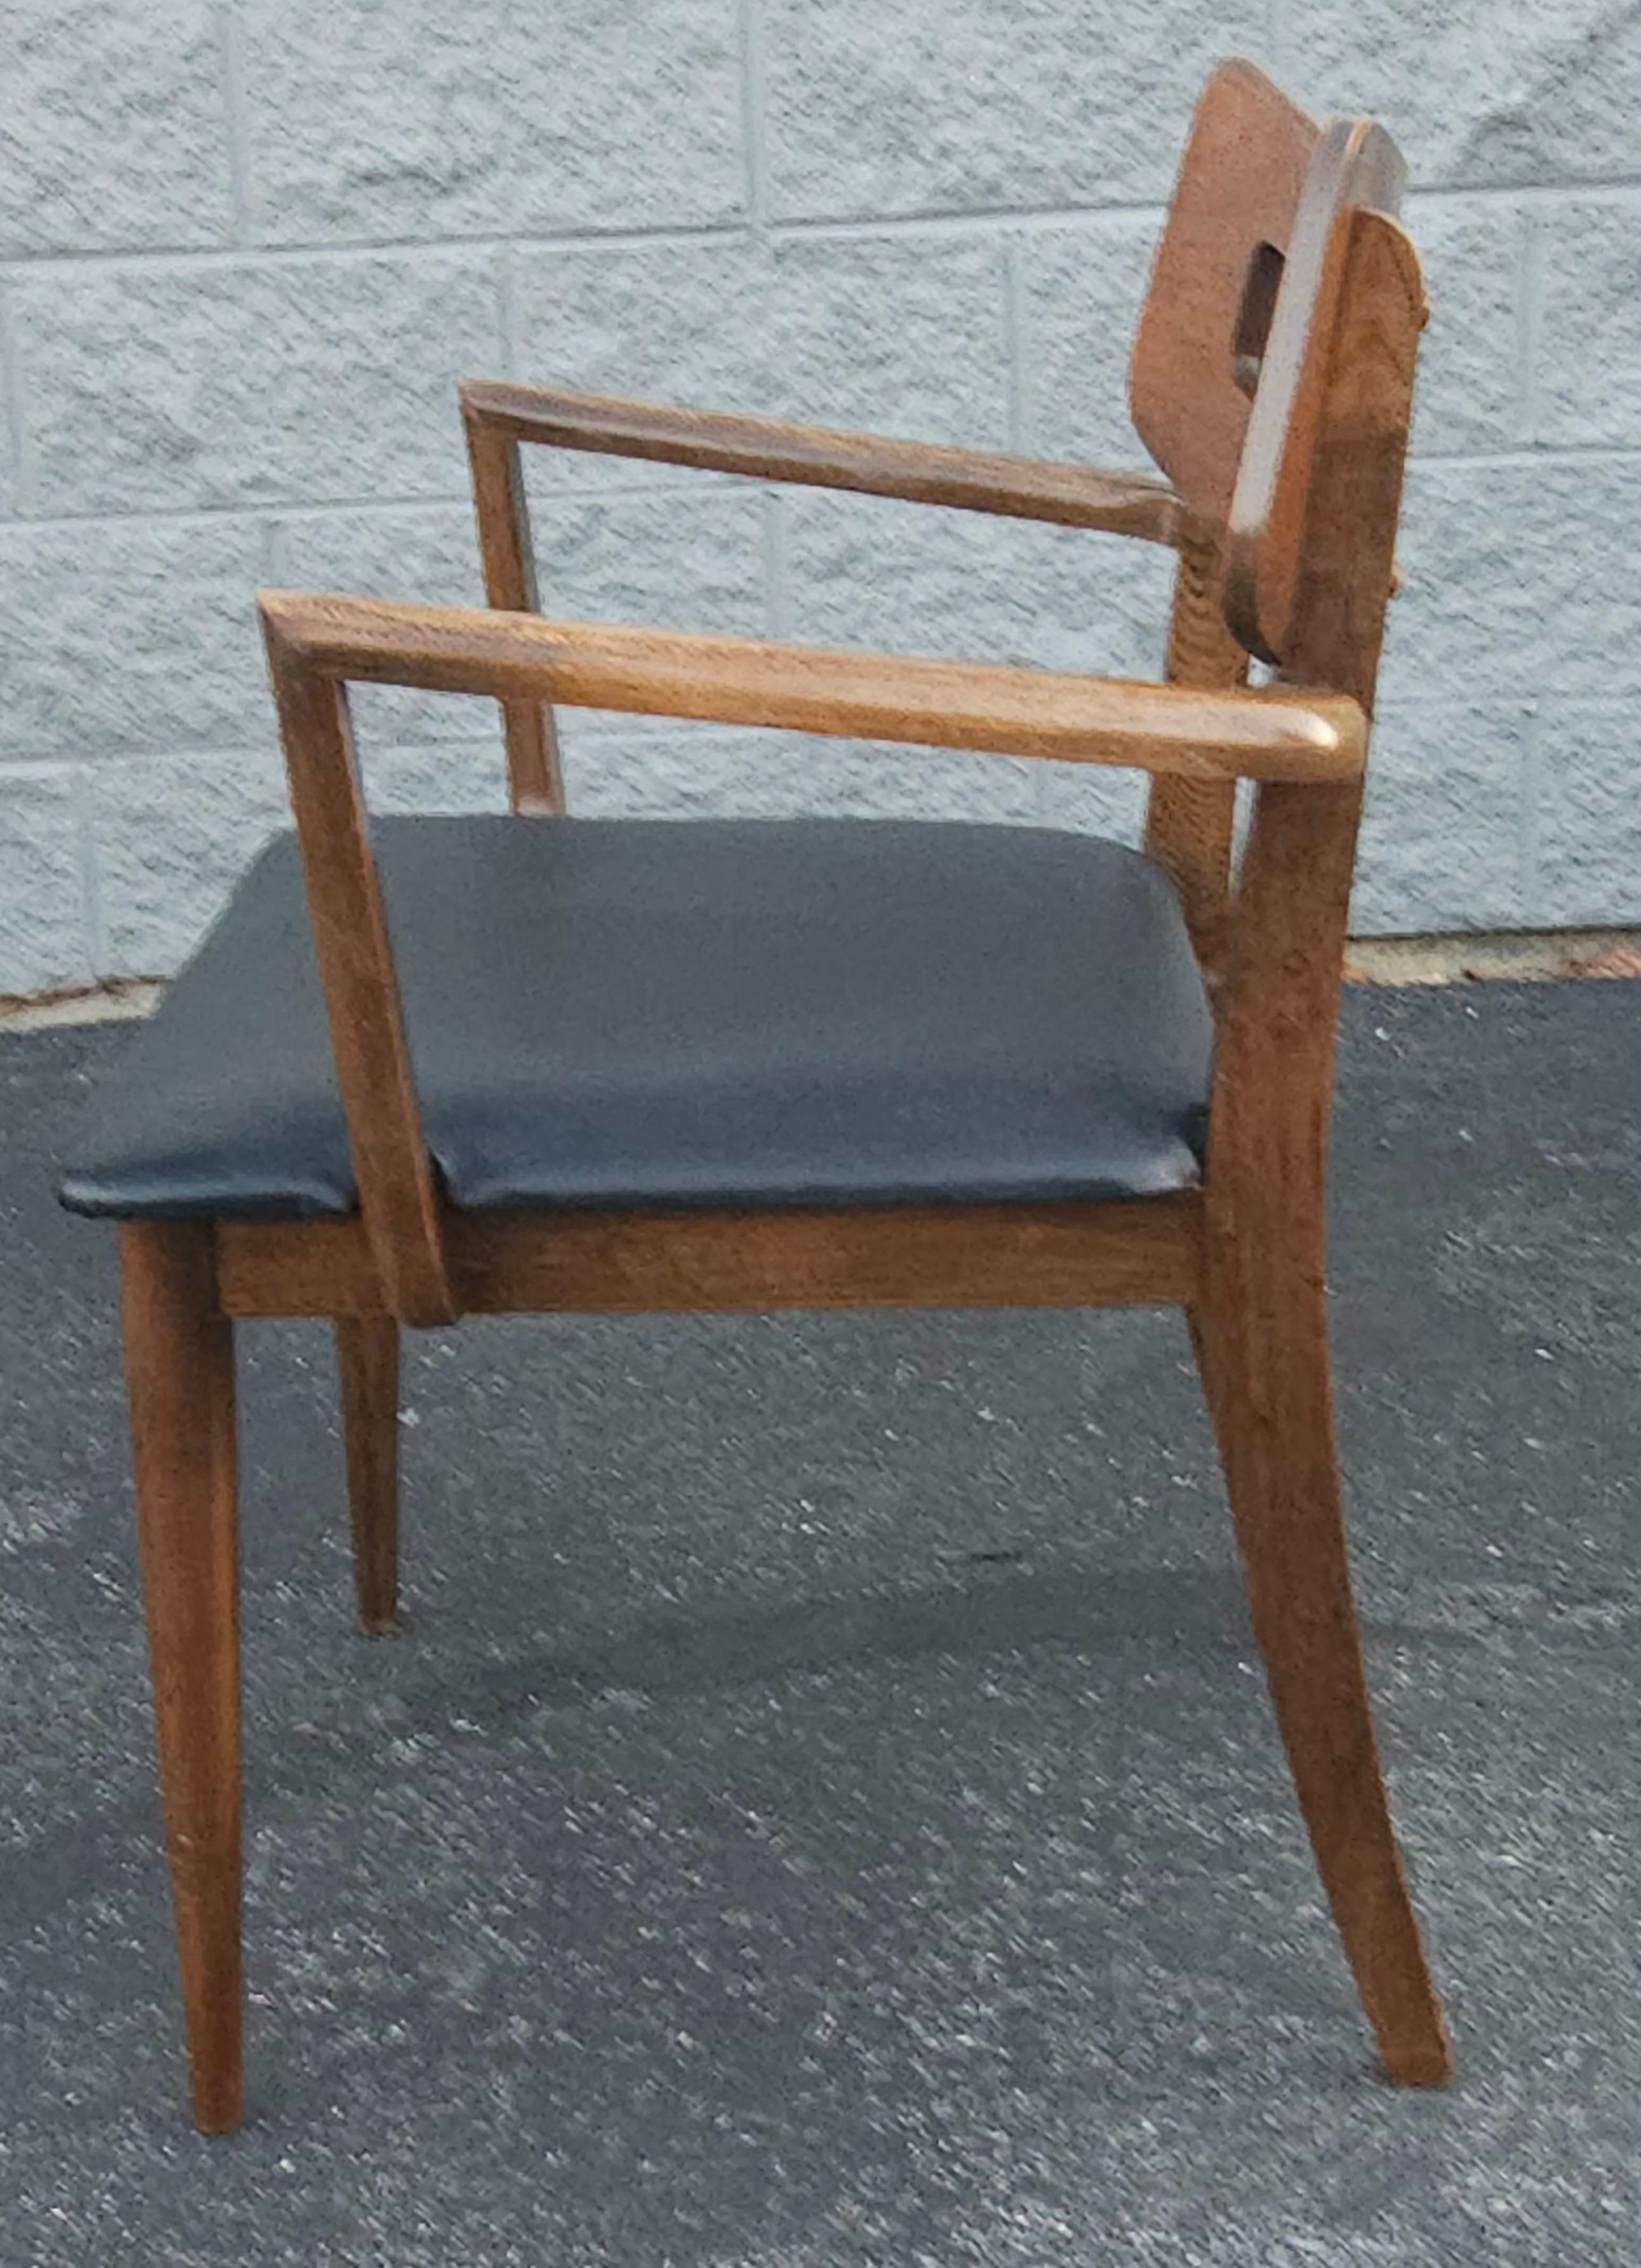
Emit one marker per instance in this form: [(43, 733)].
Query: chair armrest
[(1071, 495), (1270, 734)]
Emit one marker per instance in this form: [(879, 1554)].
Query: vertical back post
[(1263, 1319), (1189, 822), (1275, 1066)]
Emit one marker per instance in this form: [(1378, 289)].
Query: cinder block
[(1586, 824), (671, 561), (892, 334), (425, 120), (9, 499), (973, 106), (437, 775), (645, 768), (1082, 288), (1442, 833), (1496, 94), (171, 835), (309, 390), (156, 386), (1081, 293), (1469, 395), (651, 768), (1586, 384), (113, 133), (44, 945), (1091, 800), (427, 551), (865, 571), (126, 635), (684, 560), (1520, 581), (423, 552), (1577, 120)]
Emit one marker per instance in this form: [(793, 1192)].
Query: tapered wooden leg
[(1265, 1371), (180, 1374), (367, 1358)]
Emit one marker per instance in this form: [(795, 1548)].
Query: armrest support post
[(1189, 824), (535, 777), (397, 1198)]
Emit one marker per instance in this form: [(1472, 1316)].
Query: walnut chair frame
[(1307, 581)]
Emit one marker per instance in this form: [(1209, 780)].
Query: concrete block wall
[(247, 248)]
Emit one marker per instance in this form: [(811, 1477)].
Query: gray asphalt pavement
[(822, 1807)]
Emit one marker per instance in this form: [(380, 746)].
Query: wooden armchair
[(618, 1065)]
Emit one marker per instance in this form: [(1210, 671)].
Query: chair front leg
[(1260, 1335), (367, 1362), (180, 1376)]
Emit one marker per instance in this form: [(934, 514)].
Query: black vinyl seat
[(736, 1014)]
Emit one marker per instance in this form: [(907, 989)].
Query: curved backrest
[(1356, 165), (1229, 360), (1213, 284)]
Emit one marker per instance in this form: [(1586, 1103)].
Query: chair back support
[(1273, 378), (1314, 513), (1278, 1011), (1214, 281), (1230, 360), (1223, 385), (1356, 165)]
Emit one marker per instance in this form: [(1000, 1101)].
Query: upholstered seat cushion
[(713, 1012)]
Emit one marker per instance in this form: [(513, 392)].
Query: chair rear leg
[(180, 1376), (1265, 1370), (367, 1358)]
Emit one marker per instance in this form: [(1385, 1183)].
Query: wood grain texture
[(1346, 569), (179, 1352), (1261, 1322), (1018, 488), (1263, 1328), (390, 1159), (1189, 822), (1356, 167), (1239, 188), (1245, 1256), (1097, 720), (535, 774), (1141, 1252), (367, 1367), (1263, 1343)]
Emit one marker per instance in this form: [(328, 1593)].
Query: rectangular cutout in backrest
[(1239, 188), (1254, 316)]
